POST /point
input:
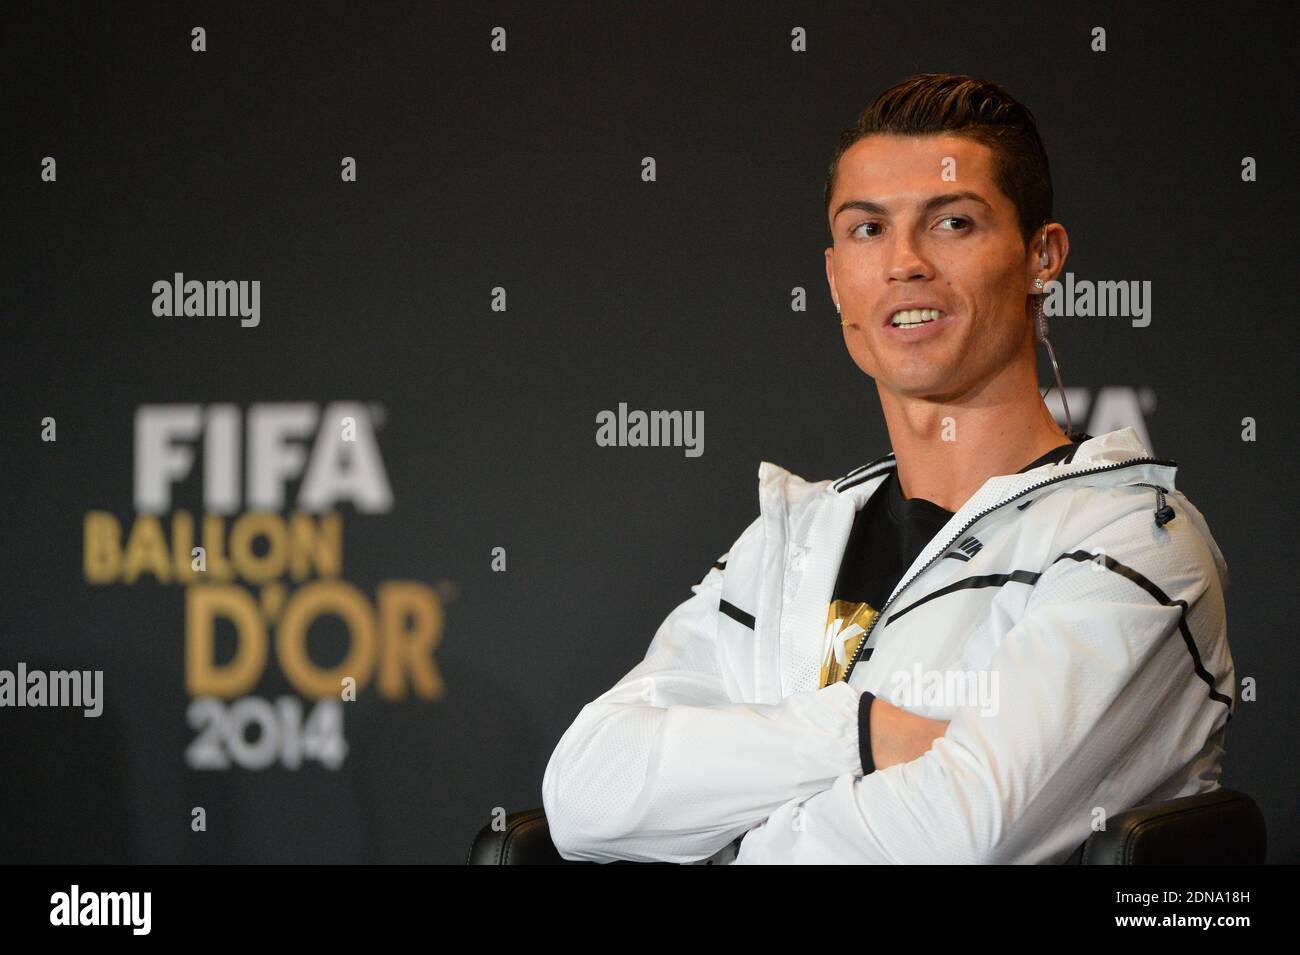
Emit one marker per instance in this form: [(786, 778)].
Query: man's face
[(919, 239)]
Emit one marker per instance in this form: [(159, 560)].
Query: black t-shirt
[(888, 534)]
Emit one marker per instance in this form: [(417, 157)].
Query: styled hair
[(932, 103)]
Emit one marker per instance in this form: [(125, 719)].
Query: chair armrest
[(525, 840), (1222, 827)]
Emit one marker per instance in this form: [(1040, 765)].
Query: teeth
[(915, 316)]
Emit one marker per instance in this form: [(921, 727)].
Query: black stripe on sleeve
[(864, 732), (1162, 598), (735, 613)]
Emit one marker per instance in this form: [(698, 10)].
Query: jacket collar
[(1114, 447), (1103, 451), (1114, 459)]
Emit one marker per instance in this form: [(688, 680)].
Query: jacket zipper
[(1162, 510), (1164, 513)]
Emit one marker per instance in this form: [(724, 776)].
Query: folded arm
[(667, 766)]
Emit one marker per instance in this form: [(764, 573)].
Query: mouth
[(915, 322)]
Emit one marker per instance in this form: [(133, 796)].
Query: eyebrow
[(934, 202)]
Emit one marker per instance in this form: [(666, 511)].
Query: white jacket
[(1104, 630)]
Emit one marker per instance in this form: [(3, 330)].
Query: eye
[(855, 231), (963, 223)]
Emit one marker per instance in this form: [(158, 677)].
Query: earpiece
[(1040, 332), (1040, 319)]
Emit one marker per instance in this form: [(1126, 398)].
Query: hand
[(898, 736)]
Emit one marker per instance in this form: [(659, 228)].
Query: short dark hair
[(931, 103)]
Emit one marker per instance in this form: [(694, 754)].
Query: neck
[(946, 449)]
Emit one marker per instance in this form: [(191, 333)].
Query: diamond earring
[(1038, 283)]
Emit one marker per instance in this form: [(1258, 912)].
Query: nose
[(906, 261)]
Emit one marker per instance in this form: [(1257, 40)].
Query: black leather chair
[(1223, 827)]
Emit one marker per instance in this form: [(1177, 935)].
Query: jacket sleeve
[(1099, 701), (666, 766)]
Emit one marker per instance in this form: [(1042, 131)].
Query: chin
[(930, 386)]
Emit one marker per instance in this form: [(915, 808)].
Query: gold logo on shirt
[(846, 623)]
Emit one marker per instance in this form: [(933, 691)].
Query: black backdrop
[(522, 170)]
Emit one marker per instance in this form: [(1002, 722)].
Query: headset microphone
[(1040, 332), (1040, 319)]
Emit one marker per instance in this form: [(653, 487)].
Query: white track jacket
[(1092, 612)]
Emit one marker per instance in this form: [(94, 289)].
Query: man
[(971, 650)]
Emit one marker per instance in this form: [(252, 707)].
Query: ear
[(1053, 243), (830, 275)]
